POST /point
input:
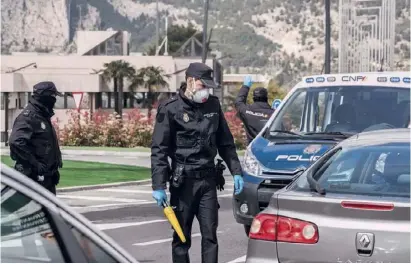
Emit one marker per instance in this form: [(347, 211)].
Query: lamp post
[(327, 63), (205, 48)]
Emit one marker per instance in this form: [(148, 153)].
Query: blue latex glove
[(248, 81), (238, 184), (160, 196)]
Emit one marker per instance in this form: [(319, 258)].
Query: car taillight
[(283, 229), (368, 206)]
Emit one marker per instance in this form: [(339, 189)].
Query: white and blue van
[(316, 114)]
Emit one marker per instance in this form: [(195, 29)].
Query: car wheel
[(247, 229)]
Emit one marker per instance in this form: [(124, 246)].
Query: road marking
[(226, 195), (97, 198), (18, 243), (125, 191), (238, 260), (148, 243), (122, 225)]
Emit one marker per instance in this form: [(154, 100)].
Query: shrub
[(237, 129), (103, 129)]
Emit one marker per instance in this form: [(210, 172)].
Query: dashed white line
[(122, 225), (97, 198), (238, 260), (148, 243), (125, 191)]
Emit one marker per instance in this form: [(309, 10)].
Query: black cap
[(45, 89), (201, 71), (260, 92)]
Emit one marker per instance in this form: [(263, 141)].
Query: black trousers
[(196, 198)]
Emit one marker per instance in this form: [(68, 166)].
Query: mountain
[(265, 35)]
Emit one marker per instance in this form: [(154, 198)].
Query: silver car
[(38, 227), (352, 205)]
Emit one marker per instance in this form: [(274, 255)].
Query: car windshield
[(378, 170), (343, 110)]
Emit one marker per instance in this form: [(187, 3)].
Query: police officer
[(256, 115), (33, 140), (190, 129)]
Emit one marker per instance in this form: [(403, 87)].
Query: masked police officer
[(190, 128), (256, 115), (33, 140)]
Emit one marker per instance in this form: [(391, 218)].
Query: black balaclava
[(47, 100)]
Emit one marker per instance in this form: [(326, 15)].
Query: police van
[(316, 114)]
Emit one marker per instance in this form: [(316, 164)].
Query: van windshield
[(341, 110)]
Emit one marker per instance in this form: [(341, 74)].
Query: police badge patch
[(43, 126), (185, 117), (312, 149)]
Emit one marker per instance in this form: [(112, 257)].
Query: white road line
[(122, 225), (125, 191), (96, 198), (226, 195), (148, 243), (238, 260)]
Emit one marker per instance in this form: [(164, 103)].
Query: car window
[(382, 170), (26, 235), (93, 252)]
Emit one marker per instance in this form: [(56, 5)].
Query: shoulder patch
[(26, 112)]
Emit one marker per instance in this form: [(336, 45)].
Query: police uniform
[(191, 134), (33, 141), (256, 115)]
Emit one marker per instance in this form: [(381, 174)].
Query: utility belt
[(179, 173)]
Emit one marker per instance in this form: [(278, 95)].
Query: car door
[(36, 230)]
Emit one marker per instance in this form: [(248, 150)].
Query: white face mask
[(201, 96)]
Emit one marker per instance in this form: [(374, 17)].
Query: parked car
[(331, 214), (319, 112), (38, 227)]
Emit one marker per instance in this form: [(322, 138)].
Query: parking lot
[(130, 216)]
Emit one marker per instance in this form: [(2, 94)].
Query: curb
[(70, 152), (101, 186)]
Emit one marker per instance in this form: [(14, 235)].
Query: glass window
[(92, 251), (380, 170), (343, 109), (26, 235), (60, 102), (290, 118)]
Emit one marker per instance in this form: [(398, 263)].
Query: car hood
[(288, 155)]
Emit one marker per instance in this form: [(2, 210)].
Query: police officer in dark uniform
[(256, 115), (190, 129), (33, 140)]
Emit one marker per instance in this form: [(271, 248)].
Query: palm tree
[(118, 70), (152, 78)]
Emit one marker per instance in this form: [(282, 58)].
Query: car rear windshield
[(378, 170)]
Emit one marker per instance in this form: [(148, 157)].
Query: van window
[(343, 109)]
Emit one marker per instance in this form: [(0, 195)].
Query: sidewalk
[(78, 152)]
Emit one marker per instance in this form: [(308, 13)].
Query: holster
[(177, 177), (220, 180)]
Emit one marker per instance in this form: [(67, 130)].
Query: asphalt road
[(130, 216)]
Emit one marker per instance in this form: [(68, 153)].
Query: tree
[(177, 36), (118, 70), (151, 78)]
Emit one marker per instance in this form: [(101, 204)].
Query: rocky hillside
[(265, 35)]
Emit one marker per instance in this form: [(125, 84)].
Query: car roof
[(39, 190), (377, 137)]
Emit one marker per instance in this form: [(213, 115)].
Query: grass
[(77, 173)]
